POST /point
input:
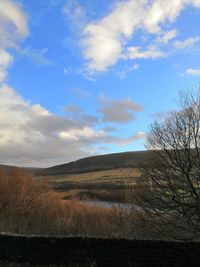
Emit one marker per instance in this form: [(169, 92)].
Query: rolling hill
[(136, 159)]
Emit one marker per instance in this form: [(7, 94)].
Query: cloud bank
[(31, 135)]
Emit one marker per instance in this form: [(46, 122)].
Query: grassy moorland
[(103, 177), (136, 159), (106, 185)]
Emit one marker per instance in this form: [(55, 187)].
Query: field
[(106, 185)]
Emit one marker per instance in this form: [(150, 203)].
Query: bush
[(27, 205)]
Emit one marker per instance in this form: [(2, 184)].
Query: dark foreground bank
[(76, 251)]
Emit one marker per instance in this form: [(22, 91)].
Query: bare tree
[(174, 175)]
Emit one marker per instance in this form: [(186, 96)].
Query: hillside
[(9, 168), (136, 159)]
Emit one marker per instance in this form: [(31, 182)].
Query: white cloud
[(31, 135), (161, 11), (40, 111), (11, 13), (165, 37), (86, 132), (5, 58), (13, 27), (193, 72), (152, 52), (5, 62), (187, 43), (3, 74), (105, 41)]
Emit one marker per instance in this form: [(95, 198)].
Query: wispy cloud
[(75, 12), (67, 70), (79, 92), (187, 43), (165, 37), (123, 73), (193, 72), (38, 56), (152, 52)]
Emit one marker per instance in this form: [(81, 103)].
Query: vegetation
[(29, 206), (175, 178), (107, 185)]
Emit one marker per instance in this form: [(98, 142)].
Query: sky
[(87, 77)]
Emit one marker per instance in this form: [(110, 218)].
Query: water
[(110, 204)]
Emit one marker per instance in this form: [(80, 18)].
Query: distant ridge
[(135, 159), (9, 168)]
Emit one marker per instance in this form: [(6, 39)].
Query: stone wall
[(103, 252)]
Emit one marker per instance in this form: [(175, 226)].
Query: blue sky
[(87, 77)]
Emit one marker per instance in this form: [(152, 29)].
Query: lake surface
[(110, 204)]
